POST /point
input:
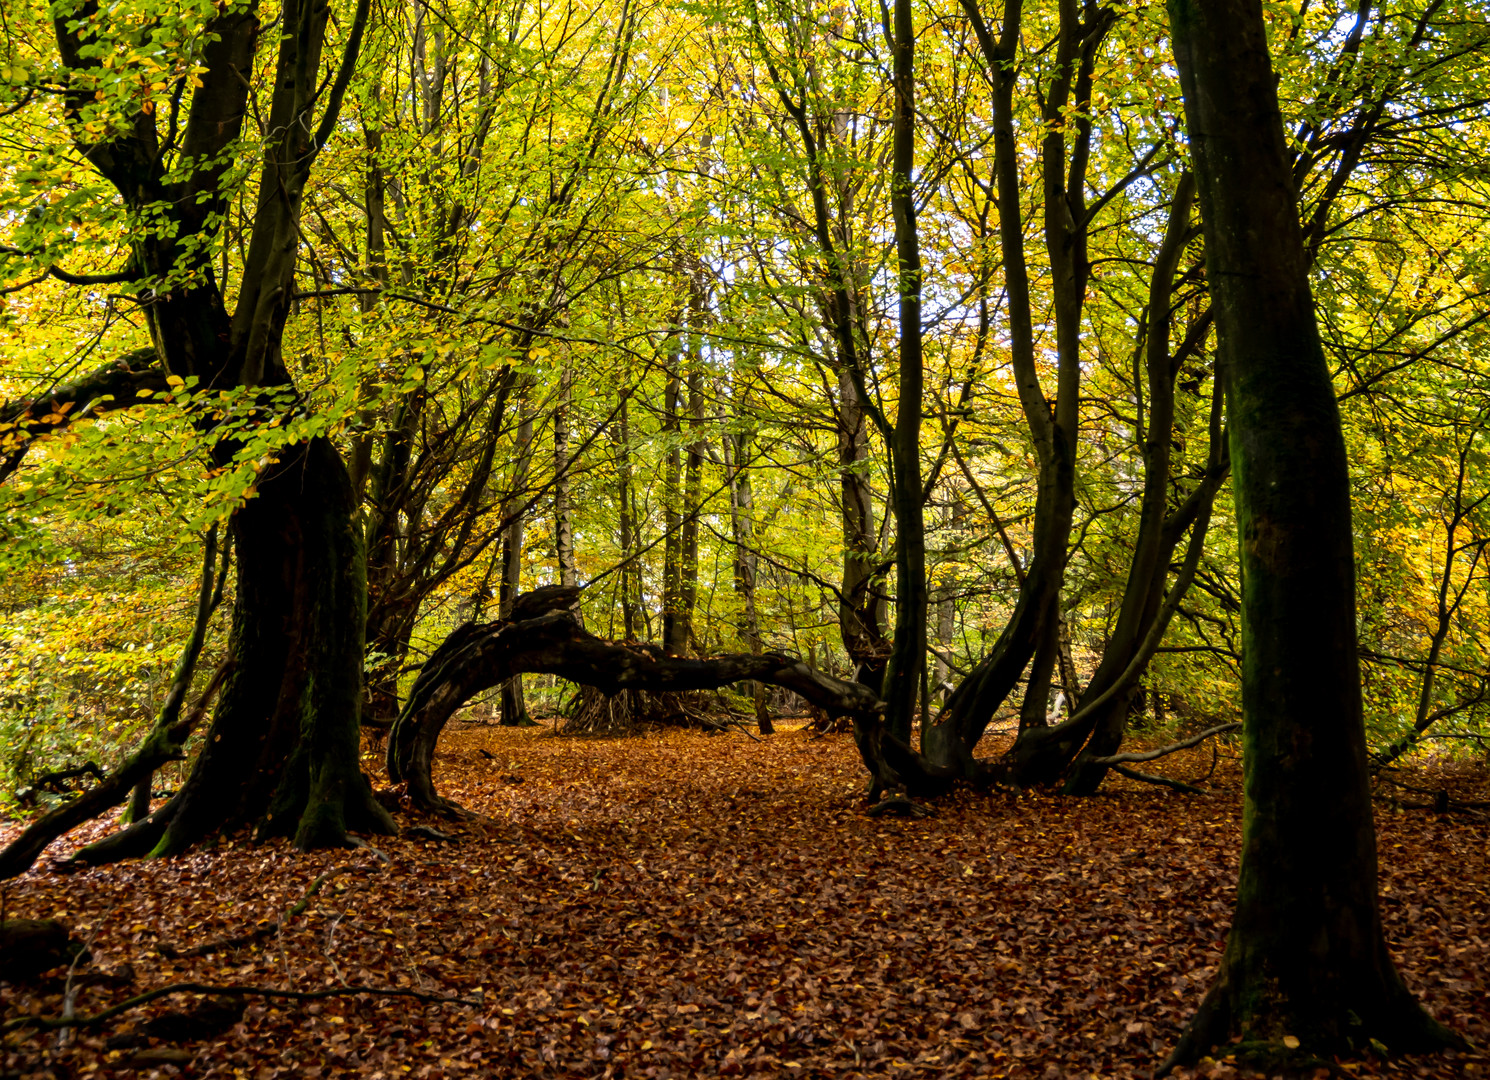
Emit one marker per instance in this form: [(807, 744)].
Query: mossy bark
[(282, 751), (1306, 956)]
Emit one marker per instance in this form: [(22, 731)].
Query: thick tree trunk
[(282, 751), (1306, 956)]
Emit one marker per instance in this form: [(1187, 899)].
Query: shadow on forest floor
[(683, 904)]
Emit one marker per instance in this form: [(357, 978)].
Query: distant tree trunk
[(393, 608), (860, 602), (630, 578), (563, 510), (1306, 956), (946, 608), (674, 619), (513, 704), (742, 522), (693, 479)]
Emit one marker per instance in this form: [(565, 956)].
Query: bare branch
[(1165, 751)]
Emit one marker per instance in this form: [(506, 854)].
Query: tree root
[(900, 804), (55, 1022)]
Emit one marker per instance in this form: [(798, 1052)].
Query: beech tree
[(283, 746), (1306, 960)]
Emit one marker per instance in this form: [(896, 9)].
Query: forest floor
[(681, 904)]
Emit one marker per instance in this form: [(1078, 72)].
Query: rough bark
[(1306, 956), (283, 749)]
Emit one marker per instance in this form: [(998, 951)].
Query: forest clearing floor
[(682, 904)]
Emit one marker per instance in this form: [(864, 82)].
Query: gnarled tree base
[(1366, 1009)]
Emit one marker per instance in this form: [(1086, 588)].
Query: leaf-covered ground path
[(683, 904)]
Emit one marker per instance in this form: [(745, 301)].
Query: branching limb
[(161, 745), (1165, 751), (1162, 781), (128, 380)]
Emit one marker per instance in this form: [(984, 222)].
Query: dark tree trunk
[(1052, 420), (906, 668), (1306, 956), (283, 746)]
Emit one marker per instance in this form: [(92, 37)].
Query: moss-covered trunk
[(282, 751), (1306, 956)]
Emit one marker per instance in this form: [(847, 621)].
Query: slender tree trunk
[(393, 605), (630, 578), (674, 621), (742, 522), (906, 667), (1053, 420), (859, 601), (693, 479), (563, 510), (209, 594), (514, 705), (1306, 956)]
